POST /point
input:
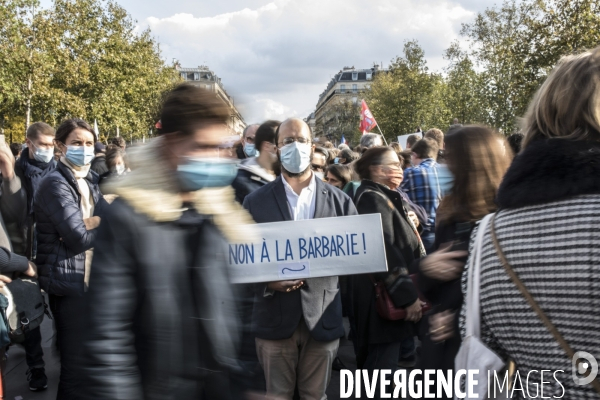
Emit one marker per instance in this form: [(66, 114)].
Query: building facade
[(335, 111), (207, 79), (311, 122)]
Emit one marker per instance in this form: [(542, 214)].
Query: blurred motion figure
[(161, 312)]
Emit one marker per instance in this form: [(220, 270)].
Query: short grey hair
[(369, 140)]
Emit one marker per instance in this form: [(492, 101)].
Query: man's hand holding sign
[(285, 286)]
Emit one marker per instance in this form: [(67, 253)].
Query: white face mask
[(295, 157), (120, 169), (43, 155), (320, 175)]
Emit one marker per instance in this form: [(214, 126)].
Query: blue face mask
[(295, 157), (250, 149), (43, 155), (80, 155), (336, 160), (199, 173)]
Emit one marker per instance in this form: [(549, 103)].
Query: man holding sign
[(297, 323)]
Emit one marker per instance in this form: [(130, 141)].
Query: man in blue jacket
[(36, 161), (297, 323)]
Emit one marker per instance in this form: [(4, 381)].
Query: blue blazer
[(277, 316)]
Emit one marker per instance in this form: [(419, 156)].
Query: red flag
[(367, 121)]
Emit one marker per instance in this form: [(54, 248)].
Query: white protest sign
[(310, 249), (402, 139)]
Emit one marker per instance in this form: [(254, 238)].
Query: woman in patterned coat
[(548, 228)]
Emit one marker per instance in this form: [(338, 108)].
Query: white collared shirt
[(302, 206)]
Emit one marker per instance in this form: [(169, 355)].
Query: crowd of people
[(129, 246)]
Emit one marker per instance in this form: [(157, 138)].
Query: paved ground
[(346, 354), (18, 389)]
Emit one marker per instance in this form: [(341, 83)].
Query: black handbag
[(26, 307)]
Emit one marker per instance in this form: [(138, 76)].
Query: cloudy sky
[(276, 56)]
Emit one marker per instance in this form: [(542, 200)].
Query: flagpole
[(382, 135)]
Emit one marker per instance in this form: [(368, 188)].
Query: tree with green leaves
[(501, 46), (408, 95), (465, 95), (81, 58), (341, 119), (517, 44)]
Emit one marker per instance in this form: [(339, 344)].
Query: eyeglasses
[(249, 139), (316, 167), (290, 140)]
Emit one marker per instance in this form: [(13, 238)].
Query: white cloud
[(277, 58), (272, 109)]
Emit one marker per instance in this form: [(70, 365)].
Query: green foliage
[(408, 96), (84, 59), (465, 94), (341, 119), (513, 48), (518, 44)]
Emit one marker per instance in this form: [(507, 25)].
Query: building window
[(196, 76), (354, 88), (355, 76), (369, 76), (343, 88), (354, 100), (184, 76)]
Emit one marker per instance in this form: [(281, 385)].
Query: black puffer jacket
[(99, 165), (250, 177), (161, 313), (31, 172), (62, 236)]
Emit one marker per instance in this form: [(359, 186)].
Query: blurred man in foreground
[(161, 311)]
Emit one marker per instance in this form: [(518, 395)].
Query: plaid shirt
[(422, 186)]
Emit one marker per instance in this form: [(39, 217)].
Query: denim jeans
[(33, 348), (428, 239)]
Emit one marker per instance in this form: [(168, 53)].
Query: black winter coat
[(239, 152), (99, 165), (61, 234), (245, 183), (401, 248), (443, 296), (160, 308), (31, 172)]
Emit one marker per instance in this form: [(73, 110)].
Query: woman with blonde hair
[(546, 232), (477, 158)]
